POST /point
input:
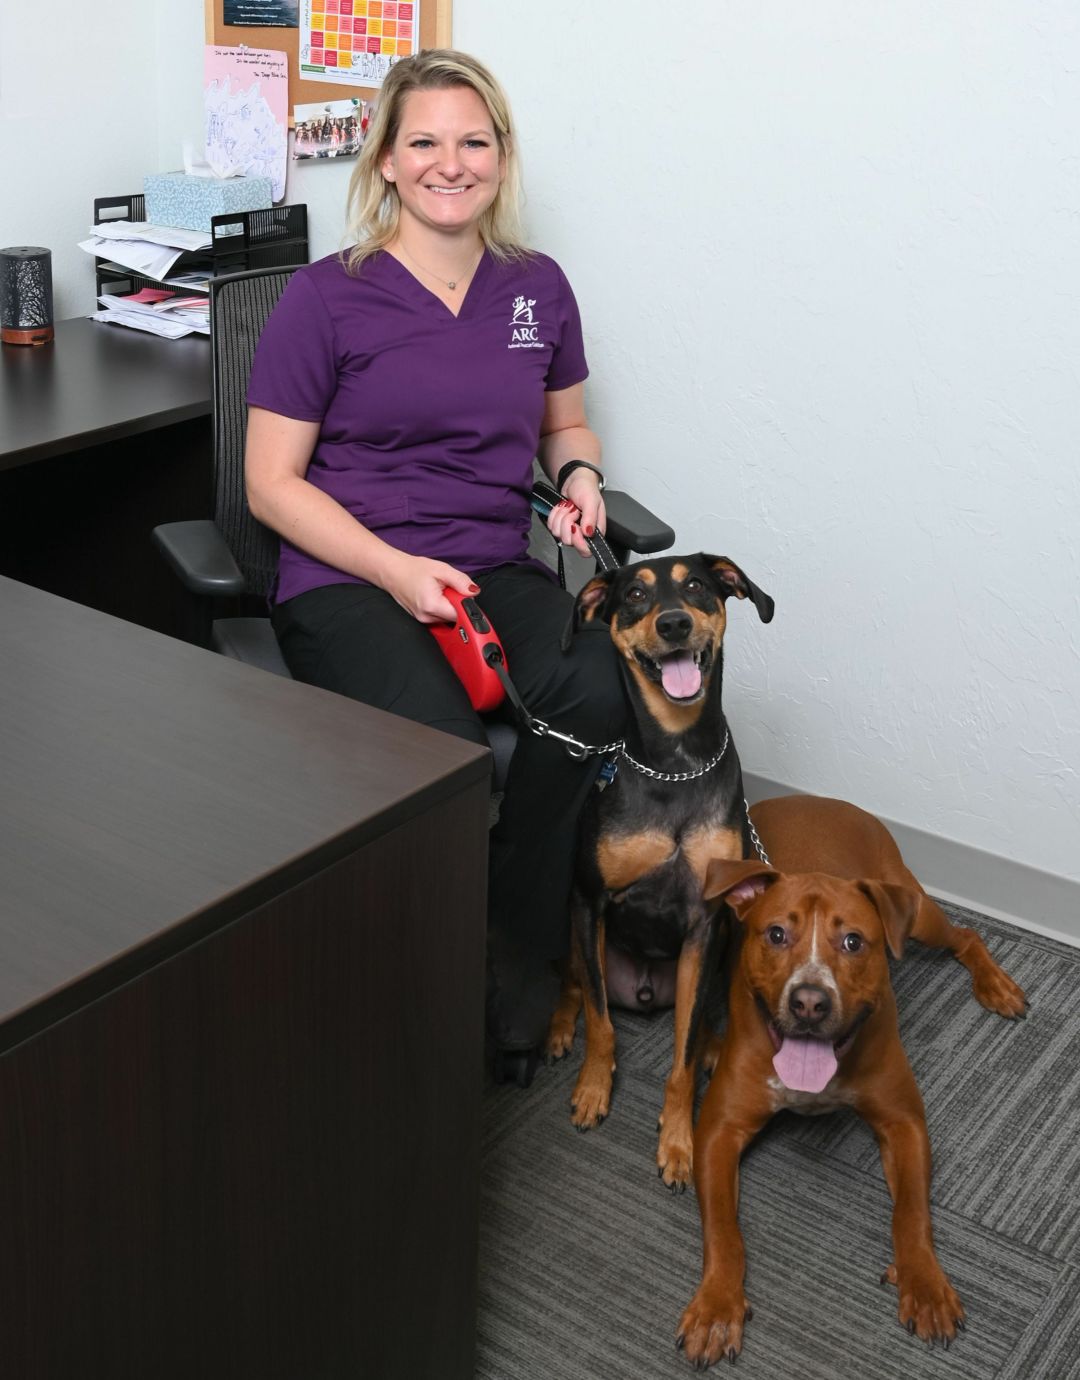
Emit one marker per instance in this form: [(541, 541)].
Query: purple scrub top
[(429, 423)]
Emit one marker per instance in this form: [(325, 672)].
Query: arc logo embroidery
[(524, 327)]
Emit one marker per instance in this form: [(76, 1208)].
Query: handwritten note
[(246, 93)]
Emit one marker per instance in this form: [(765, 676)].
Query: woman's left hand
[(580, 513)]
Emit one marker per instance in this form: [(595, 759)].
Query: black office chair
[(233, 556)]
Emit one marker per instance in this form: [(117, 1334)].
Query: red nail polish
[(573, 527), (474, 589), (588, 531)]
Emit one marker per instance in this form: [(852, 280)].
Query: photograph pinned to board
[(356, 42), (246, 93), (330, 129), (261, 14)]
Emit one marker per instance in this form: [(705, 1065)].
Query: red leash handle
[(472, 647)]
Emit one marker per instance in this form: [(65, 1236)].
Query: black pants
[(356, 640)]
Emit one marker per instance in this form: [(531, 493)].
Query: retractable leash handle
[(472, 647)]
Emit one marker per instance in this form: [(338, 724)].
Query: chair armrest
[(197, 553), (631, 525)]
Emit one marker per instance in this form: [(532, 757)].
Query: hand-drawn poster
[(261, 14), (247, 113), (356, 42)]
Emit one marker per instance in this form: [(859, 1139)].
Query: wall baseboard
[(1008, 890)]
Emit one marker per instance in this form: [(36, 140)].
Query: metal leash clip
[(573, 747)]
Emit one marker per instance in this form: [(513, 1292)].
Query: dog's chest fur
[(650, 844), (833, 1097)]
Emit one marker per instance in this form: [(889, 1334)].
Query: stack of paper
[(152, 250), (156, 311)]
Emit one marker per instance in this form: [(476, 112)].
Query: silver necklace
[(451, 283)]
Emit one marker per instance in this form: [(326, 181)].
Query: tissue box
[(188, 202)]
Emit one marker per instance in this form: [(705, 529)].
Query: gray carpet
[(587, 1261)]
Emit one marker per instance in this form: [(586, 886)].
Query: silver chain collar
[(675, 775), (754, 835), (578, 750)]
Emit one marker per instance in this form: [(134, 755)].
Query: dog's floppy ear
[(897, 906), (738, 883), (731, 580), (590, 604)]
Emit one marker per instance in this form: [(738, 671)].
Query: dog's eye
[(635, 594), (776, 935), (693, 585), (852, 943)]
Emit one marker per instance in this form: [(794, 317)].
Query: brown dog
[(812, 1026)]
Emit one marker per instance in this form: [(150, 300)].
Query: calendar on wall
[(334, 48), (356, 42)]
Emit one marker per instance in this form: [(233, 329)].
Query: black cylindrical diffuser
[(26, 305)]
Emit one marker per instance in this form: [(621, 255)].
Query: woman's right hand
[(417, 584)]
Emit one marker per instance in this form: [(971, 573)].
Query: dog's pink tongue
[(805, 1064), (681, 677)]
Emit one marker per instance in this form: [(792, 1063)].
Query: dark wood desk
[(103, 434), (241, 1009)]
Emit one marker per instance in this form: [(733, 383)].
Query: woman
[(399, 394)]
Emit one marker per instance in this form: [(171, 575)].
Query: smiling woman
[(400, 393), (471, 157)]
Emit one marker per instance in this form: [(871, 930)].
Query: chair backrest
[(239, 306)]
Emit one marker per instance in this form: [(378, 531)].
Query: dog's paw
[(675, 1155), (995, 990), (591, 1100), (560, 1038), (928, 1305), (712, 1325)]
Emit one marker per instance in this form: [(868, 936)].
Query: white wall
[(66, 141), (826, 260), (826, 256)]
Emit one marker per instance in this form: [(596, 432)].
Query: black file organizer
[(239, 240)]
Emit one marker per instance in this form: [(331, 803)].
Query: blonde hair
[(373, 207)]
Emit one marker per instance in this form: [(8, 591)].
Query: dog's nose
[(674, 626), (810, 1004)]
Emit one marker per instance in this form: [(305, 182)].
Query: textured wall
[(827, 260)]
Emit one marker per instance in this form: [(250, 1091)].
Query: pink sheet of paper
[(148, 295), (246, 94)]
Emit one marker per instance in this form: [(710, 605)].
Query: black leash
[(544, 498)]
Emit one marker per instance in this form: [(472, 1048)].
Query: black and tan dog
[(646, 842)]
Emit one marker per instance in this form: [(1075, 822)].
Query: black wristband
[(571, 465)]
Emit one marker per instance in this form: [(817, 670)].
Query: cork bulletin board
[(435, 20)]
